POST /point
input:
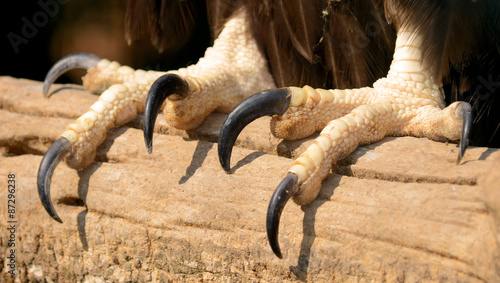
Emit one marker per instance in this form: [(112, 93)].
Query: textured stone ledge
[(396, 210)]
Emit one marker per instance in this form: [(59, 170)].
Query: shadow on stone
[(308, 230), (199, 156), (248, 159), (103, 149), (80, 219), (487, 153), (55, 91), (83, 189)]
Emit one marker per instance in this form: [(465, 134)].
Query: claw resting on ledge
[(267, 102), (231, 70), (74, 61), (409, 101), (464, 111), (57, 151), (161, 89), (285, 190)]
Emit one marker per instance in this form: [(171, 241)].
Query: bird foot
[(124, 91), (231, 70), (371, 115), (409, 101)]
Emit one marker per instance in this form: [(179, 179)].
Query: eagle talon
[(70, 62), (464, 110), (161, 89), (285, 190), (57, 151), (267, 102)]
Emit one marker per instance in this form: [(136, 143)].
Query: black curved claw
[(286, 189), (70, 62), (162, 88), (267, 102), (464, 111), (52, 157)]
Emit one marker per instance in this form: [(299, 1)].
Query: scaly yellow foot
[(409, 101), (231, 70)]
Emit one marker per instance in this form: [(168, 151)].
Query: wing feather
[(169, 24)]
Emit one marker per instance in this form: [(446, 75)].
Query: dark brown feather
[(325, 44), (219, 11), (168, 23), (288, 50), (362, 42)]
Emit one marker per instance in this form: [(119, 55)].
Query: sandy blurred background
[(35, 34)]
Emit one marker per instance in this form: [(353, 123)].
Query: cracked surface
[(358, 228), (361, 227)]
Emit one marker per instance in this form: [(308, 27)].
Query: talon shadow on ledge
[(83, 189), (247, 160), (103, 149), (65, 87), (199, 156), (308, 230)]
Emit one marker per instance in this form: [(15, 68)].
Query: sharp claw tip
[(277, 252), (149, 144), (46, 88), (285, 190), (225, 166), (57, 151)]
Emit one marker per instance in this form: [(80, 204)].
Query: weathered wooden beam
[(397, 210)]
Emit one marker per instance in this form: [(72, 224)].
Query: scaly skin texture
[(409, 101), (231, 70)]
